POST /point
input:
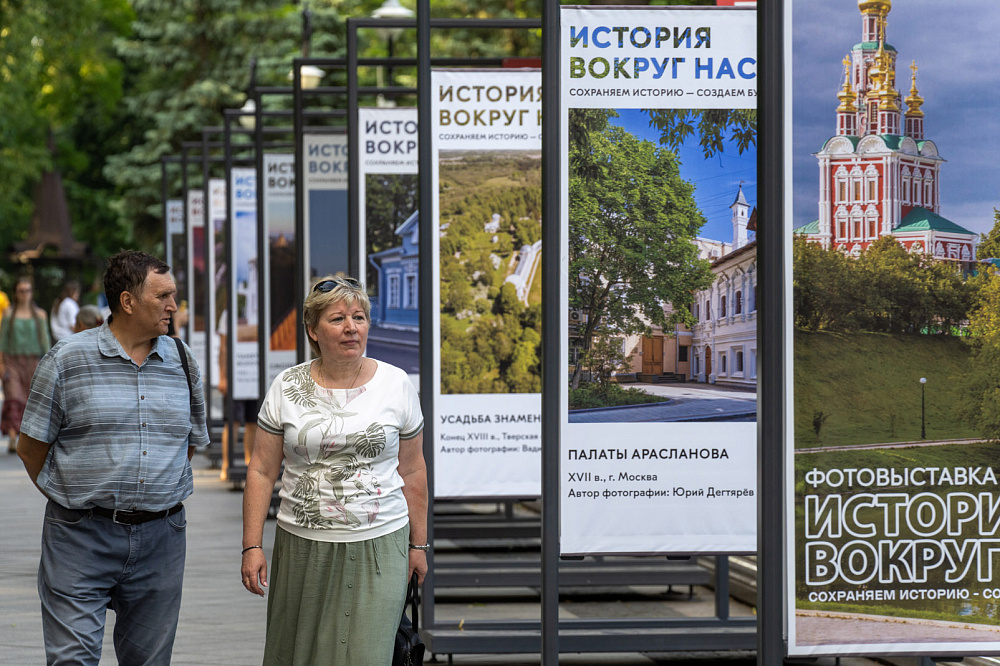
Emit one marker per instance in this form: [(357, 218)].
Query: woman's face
[(341, 332), (23, 292)]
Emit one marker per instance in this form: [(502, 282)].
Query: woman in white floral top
[(352, 525)]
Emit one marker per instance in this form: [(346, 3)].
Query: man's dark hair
[(127, 271)]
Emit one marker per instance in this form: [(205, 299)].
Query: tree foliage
[(490, 339), (59, 78), (886, 289), (989, 245), (982, 406), (711, 125), (632, 221)]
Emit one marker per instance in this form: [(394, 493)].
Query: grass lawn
[(868, 387)]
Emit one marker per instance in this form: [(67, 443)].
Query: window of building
[(871, 190), (696, 311), (753, 363), (928, 191), (738, 303), (411, 292), (722, 364), (871, 228), (857, 229), (841, 229), (753, 303), (393, 291), (708, 309), (738, 362), (856, 190), (722, 306), (841, 191), (682, 354), (906, 190)]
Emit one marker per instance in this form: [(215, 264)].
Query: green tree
[(676, 125), (391, 199), (60, 78), (632, 221), (982, 406), (824, 290), (989, 245), (190, 61)]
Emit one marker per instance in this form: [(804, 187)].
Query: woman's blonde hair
[(331, 289)]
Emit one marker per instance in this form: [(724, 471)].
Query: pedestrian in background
[(352, 525), (88, 317), (64, 310), (113, 417), (24, 338)]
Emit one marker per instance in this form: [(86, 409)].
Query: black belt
[(123, 517)]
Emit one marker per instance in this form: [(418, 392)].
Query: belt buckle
[(114, 518)]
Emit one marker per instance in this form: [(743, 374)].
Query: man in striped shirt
[(112, 420)]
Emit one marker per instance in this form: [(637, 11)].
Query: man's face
[(155, 303)]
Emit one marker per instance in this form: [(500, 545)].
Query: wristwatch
[(424, 547)]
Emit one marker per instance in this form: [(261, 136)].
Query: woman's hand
[(418, 563), (254, 571)]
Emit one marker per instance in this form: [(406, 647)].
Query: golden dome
[(875, 6), (914, 101), (847, 96)]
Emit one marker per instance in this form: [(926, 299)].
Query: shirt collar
[(108, 344)]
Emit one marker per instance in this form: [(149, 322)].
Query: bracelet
[(424, 547), (251, 548)]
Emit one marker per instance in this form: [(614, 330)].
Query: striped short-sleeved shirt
[(119, 431)]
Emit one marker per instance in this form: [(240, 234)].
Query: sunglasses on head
[(329, 285)]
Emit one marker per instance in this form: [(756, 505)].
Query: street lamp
[(390, 9), (310, 75), (923, 431), (248, 117)]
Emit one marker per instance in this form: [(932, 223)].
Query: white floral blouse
[(341, 448)]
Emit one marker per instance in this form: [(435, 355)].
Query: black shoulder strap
[(187, 371)]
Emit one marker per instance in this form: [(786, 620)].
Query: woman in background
[(24, 339), (64, 311)]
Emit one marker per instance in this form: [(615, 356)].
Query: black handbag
[(409, 650)]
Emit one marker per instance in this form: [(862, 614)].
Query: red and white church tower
[(879, 175)]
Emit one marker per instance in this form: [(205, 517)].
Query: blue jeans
[(89, 564)]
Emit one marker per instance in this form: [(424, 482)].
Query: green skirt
[(335, 603)]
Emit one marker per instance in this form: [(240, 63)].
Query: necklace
[(326, 377)]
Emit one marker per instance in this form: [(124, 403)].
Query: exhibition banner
[(176, 252), (278, 306), (891, 492), (486, 170), (389, 233), (217, 269), (325, 197), (658, 282), (243, 297), (197, 290)]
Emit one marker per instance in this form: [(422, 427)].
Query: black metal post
[(229, 423), (552, 372), (923, 429), (426, 228), (207, 372), (163, 200), (188, 255), (771, 334)]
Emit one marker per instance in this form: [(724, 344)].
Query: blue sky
[(956, 47), (716, 179)]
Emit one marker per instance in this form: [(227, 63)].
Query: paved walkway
[(688, 402), (221, 624)]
